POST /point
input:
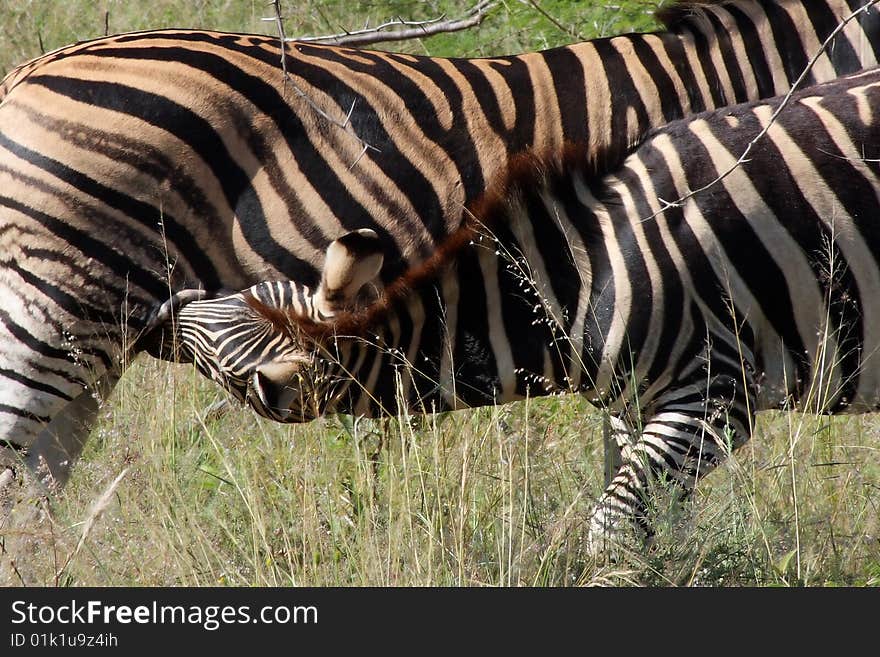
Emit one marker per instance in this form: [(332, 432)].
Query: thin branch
[(279, 24), (866, 160), (401, 30), (394, 30), (562, 28), (344, 124), (366, 30), (785, 101)]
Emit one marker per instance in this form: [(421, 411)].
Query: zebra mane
[(284, 322), (677, 14), (525, 171)]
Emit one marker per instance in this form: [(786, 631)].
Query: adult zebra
[(137, 165), (760, 290)]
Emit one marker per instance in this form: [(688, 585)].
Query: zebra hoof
[(23, 521), (11, 482), (8, 486)]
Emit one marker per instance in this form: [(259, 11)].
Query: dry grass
[(494, 496)]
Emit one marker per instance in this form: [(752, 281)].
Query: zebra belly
[(841, 376)]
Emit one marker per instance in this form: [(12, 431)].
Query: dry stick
[(744, 157), (279, 23), (402, 30), (415, 29), (565, 30)]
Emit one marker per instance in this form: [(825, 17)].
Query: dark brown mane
[(676, 14), (279, 319), (525, 171)]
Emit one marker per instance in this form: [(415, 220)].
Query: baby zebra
[(682, 313)]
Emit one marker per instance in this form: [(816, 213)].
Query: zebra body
[(138, 165), (761, 291)]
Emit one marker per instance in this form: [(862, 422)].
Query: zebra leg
[(60, 444), (40, 422), (617, 435), (29, 477), (690, 430), (45, 464), (49, 355), (48, 398)]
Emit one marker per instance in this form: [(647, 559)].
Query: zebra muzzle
[(281, 387)]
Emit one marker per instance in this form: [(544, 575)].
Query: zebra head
[(265, 344)]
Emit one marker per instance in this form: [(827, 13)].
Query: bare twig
[(785, 101), (344, 124), (279, 23), (399, 29), (393, 30), (562, 28)]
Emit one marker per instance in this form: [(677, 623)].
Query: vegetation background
[(168, 493)]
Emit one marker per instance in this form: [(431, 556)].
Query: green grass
[(30, 27), (494, 496)]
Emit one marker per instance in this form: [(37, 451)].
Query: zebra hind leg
[(60, 444), (690, 431), (49, 456), (617, 436), (31, 476)]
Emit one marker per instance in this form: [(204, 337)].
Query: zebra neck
[(506, 317)]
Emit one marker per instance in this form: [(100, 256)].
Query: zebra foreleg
[(617, 436), (60, 444), (687, 434)]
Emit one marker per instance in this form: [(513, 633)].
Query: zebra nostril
[(278, 386)]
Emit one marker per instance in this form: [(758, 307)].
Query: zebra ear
[(352, 262)]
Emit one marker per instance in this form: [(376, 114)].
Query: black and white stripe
[(761, 291)]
